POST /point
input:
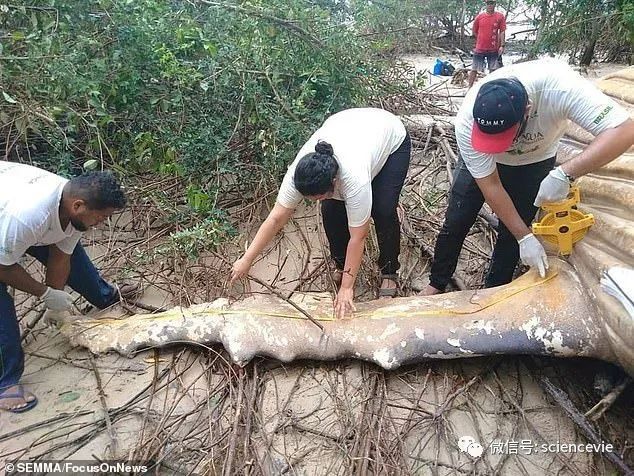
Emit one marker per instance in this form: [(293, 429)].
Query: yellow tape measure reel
[(562, 224)]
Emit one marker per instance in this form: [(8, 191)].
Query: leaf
[(91, 164), (69, 397), (8, 98), (210, 48)]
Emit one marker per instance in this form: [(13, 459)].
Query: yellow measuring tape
[(496, 298)]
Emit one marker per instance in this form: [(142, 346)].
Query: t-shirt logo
[(532, 136), (601, 116), (519, 151)]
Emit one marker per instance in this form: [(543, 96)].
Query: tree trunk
[(462, 22), (588, 53), (543, 18), (588, 50)]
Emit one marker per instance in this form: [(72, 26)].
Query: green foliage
[(586, 29), (169, 87), (408, 25), (206, 91), (626, 9), (193, 241)]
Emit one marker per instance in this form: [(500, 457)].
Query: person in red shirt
[(488, 29)]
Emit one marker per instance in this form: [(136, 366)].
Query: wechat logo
[(469, 445)]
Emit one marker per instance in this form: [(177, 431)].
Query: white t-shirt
[(362, 140), (557, 93), (29, 212)]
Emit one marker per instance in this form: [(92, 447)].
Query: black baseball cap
[(497, 115)]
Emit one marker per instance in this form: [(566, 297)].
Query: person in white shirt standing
[(44, 215), (355, 165), (508, 132)]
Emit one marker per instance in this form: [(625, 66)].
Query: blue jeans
[(84, 278)]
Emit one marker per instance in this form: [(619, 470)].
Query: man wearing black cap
[(508, 132)]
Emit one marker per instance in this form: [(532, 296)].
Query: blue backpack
[(443, 68)]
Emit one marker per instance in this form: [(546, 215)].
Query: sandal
[(389, 292), (129, 291), (337, 276), (19, 394)]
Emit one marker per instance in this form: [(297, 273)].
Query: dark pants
[(84, 278), (493, 61), (465, 201), (386, 188)]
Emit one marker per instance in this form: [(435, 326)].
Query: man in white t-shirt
[(355, 164), (44, 215), (508, 132)]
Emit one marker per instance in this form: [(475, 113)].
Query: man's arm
[(585, 105), (16, 237), (501, 41), (606, 147), (476, 27), (16, 276), (532, 252), (57, 267), (502, 205)]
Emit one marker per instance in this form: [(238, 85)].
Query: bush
[(175, 87), (219, 95)]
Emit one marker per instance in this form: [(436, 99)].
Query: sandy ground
[(424, 66), (311, 416)]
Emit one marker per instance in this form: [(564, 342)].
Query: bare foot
[(19, 398), (430, 291)]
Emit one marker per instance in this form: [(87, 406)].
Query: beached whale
[(566, 314)]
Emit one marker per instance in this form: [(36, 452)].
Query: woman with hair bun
[(355, 165)]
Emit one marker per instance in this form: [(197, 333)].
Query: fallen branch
[(234, 432), (606, 402), (280, 295), (561, 398), (104, 405), (299, 31)]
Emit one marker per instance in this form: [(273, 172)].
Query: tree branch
[(298, 30)]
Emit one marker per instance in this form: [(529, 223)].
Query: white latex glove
[(532, 254), (554, 187), (57, 300)]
